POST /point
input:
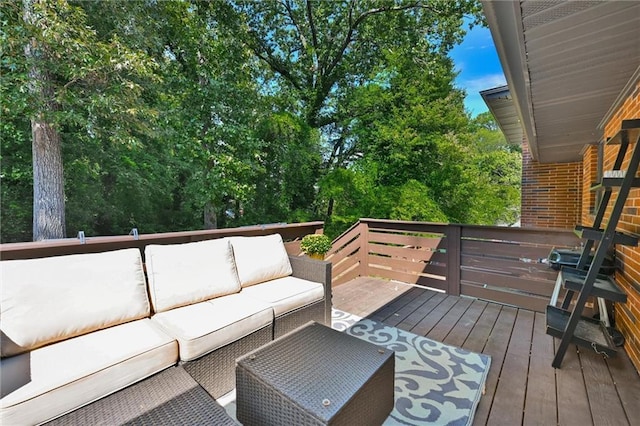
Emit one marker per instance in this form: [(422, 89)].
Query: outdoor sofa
[(77, 328)]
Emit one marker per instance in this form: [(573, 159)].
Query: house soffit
[(565, 63)]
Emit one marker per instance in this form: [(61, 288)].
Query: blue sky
[(479, 68)]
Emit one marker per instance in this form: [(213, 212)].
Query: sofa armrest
[(318, 271)]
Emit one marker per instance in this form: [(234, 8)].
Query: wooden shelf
[(613, 183), (596, 234), (604, 286), (629, 127), (589, 332)]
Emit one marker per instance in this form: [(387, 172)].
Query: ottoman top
[(316, 366)]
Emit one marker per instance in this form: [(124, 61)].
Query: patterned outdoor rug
[(435, 383)]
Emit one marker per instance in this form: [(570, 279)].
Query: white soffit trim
[(566, 64)]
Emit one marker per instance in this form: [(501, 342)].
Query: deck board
[(606, 408), (624, 374), (573, 402), (540, 404), (522, 387), (450, 319), (460, 332), (510, 392)]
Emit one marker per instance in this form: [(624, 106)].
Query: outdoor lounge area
[(405, 321), (493, 321)]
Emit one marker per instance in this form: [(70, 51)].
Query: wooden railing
[(500, 264), (291, 234), (488, 262)]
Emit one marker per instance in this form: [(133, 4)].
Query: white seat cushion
[(55, 298), (286, 294), (206, 326), (182, 274), (260, 259), (58, 378)]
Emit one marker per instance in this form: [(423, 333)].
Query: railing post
[(364, 249), (454, 233)]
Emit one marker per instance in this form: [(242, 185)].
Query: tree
[(48, 180), (182, 114), (288, 168), (324, 51), (73, 79)]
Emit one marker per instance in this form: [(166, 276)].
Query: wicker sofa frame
[(187, 393), (216, 371)]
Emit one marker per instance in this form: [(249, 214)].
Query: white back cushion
[(182, 274), (260, 259), (52, 299)]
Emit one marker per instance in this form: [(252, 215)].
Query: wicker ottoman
[(315, 376)]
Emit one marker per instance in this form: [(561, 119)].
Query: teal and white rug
[(435, 383)]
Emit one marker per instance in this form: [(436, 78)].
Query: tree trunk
[(210, 218), (48, 176), (48, 184), (330, 207)]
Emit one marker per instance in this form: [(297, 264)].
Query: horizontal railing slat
[(533, 303), (408, 278), (511, 250), (408, 253), (540, 288), (408, 266), (508, 266), (408, 240)]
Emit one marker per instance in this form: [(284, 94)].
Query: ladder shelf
[(585, 279)]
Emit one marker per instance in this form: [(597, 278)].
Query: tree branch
[(312, 25), (311, 81), (303, 39), (262, 51)]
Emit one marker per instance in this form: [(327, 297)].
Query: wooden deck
[(522, 387)]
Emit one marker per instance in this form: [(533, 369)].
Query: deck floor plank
[(390, 308), (468, 320), (477, 339), (410, 314), (450, 319), (573, 402), (626, 378), (540, 404), (522, 388), (510, 392), (606, 408), (496, 347), (429, 321)]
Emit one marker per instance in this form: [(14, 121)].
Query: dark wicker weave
[(315, 376), (184, 394), (215, 372), (294, 319), (318, 271), (170, 397)]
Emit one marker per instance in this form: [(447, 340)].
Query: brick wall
[(550, 193), (589, 176), (627, 315)]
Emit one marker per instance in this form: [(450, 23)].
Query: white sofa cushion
[(206, 326), (182, 274), (260, 259), (69, 374), (286, 294), (52, 299)]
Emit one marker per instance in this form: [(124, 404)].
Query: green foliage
[(182, 114), (415, 203), (288, 168), (315, 244)]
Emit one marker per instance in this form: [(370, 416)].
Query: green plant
[(315, 244)]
